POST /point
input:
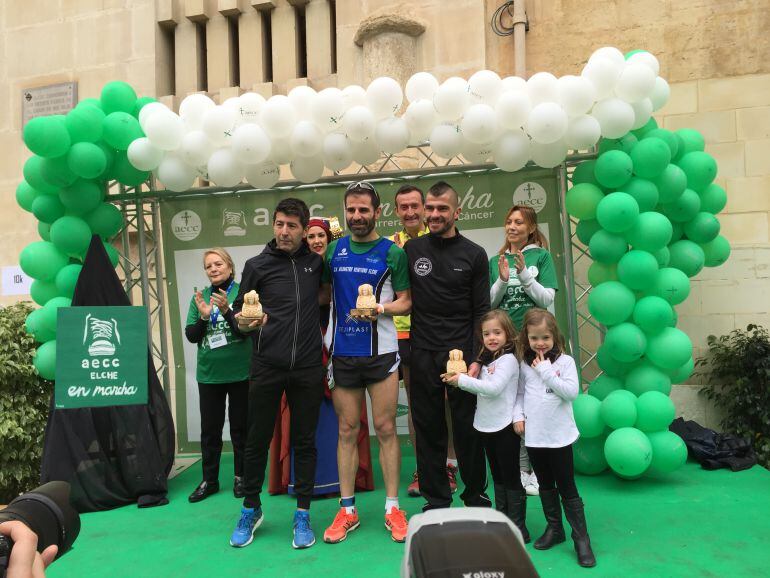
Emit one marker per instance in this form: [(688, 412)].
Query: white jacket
[(495, 393), (544, 402)]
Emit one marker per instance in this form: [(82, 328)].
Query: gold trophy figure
[(455, 364), (252, 308), (366, 303)]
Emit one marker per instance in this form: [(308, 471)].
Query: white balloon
[(327, 109), (277, 116), (250, 144), (150, 109), (611, 53), (280, 151), (307, 169), (510, 83), (219, 124), (548, 155), (306, 139), (479, 124), (192, 109), (636, 82), (196, 148), (302, 99), (384, 97), (547, 123), (583, 132), (513, 108), (485, 87), (234, 102), (576, 94), (446, 140), (476, 153), (165, 130), (224, 169), (615, 116), (358, 123), (263, 175), (337, 151), (511, 150), (143, 155), (451, 99), (422, 85), (175, 175), (660, 94), (353, 95), (603, 73), (642, 113), (392, 135), (646, 58), (365, 152), (543, 87), (250, 106), (420, 117)]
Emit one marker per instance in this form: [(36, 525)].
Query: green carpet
[(690, 523)]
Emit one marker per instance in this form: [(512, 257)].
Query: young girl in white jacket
[(495, 390), (548, 384)]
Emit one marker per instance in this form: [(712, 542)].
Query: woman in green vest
[(222, 371), (522, 276)]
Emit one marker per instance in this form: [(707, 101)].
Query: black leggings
[(554, 470), (502, 449)]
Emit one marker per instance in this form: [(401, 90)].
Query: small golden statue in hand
[(456, 363), (366, 303), (252, 308)]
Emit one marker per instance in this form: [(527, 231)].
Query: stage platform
[(691, 523)]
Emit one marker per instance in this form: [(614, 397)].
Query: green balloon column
[(65, 188), (647, 213)]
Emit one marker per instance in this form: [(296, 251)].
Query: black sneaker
[(238, 487)]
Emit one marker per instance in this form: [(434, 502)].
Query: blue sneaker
[(251, 519), (303, 533)]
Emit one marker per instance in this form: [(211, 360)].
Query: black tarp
[(112, 456)]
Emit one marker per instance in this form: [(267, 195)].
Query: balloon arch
[(642, 203)]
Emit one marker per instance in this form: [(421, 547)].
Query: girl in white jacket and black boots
[(495, 391), (548, 384)]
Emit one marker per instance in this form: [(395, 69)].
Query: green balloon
[(56, 172), (86, 160), (651, 125), (82, 197), (625, 143), (121, 129), (50, 312), (47, 208), (682, 374), (106, 220), (671, 183), (654, 411), (44, 230), (684, 208), (582, 200), (26, 195), (33, 326), (692, 141), (588, 455), (45, 360), (677, 231), (67, 278), (651, 232), (672, 285), (628, 451), (703, 228), (637, 269), (626, 342), (587, 417), (617, 212), (687, 256), (611, 303), (669, 349), (34, 176), (619, 409), (84, 123), (584, 173), (700, 168), (71, 235), (644, 192), (585, 230), (599, 273), (604, 385), (663, 257), (95, 102), (716, 252), (43, 291), (653, 314), (109, 155), (713, 199), (669, 452), (650, 157), (112, 253), (46, 136), (141, 103), (668, 137), (613, 169), (610, 365), (646, 377), (125, 173), (607, 247), (118, 96)]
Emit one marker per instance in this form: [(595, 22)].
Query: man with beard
[(450, 293), (365, 352)]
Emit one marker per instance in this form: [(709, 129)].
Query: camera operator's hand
[(25, 561)]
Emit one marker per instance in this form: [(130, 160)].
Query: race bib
[(217, 340)]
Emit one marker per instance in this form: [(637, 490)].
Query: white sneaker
[(532, 487), (524, 479)]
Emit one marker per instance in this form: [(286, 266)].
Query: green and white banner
[(242, 223)]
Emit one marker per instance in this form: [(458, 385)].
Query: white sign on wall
[(15, 281), (45, 100)]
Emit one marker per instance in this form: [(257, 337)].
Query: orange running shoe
[(342, 524), (451, 472), (414, 488), (397, 524)]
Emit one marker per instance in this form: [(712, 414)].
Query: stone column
[(319, 39)]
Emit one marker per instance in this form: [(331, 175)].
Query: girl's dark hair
[(530, 218), (485, 357), (537, 316)]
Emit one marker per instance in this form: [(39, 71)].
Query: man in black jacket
[(450, 293), (286, 357)]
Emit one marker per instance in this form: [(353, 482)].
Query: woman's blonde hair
[(222, 254), (536, 316), (510, 332), (530, 218)]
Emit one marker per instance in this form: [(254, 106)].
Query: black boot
[(517, 511), (203, 491), (501, 500), (238, 487), (573, 510), (554, 531)]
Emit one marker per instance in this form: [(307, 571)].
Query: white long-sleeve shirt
[(544, 402), (495, 391)]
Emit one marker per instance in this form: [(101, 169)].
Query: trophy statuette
[(456, 364), (252, 308), (366, 304)]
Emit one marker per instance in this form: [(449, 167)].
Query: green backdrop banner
[(242, 223)]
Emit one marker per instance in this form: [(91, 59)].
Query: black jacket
[(450, 292), (288, 290)]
